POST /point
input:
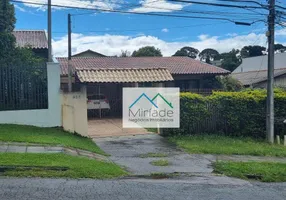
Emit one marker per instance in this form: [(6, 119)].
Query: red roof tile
[(36, 39), (176, 65)]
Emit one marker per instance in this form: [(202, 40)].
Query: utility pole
[(50, 58), (69, 55), (270, 80)]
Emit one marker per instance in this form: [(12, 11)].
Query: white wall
[(50, 117), (74, 112)]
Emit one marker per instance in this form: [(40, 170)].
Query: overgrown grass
[(210, 144), (161, 162), (48, 136), (79, 167), (153, 155), (264, 171)]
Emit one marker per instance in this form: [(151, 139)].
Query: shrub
[(229, 113)]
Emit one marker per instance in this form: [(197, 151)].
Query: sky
[(110, 33)]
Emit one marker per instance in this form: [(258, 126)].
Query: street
[(203, 188)]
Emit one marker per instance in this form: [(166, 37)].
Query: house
[(34, 39), (253, 71), (89, 53), (188, 74), (107, 76)]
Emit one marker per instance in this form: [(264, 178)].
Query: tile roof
[(123, 75), (176, 65), (253, 77), (36, 39)]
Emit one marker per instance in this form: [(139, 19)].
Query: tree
[(125, 54), (188, 51), (209, 55), (7, 24), (252, 51), (9, 53), (230, 60), (279, 48), (228, 83), (147, 51)]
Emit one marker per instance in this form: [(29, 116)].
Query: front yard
[(263, 171), (46, 136), (52, 164), (77, 167), (213, 144)]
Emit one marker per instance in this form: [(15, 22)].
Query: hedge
[(229, 113)]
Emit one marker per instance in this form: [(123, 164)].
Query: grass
[(46, 136), (79, 167), (161, 162), (153, 155), (264, 171), (210, 144)]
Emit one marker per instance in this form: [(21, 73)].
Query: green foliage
[(227, 83), (162, 162), (187, 51), (219, 144), (263, 171), (10, 54), (148, 51), (230, 113), (209, 54), (279, 48), (252, 51), (78, 167), (7, 16), (230, 60), (46, 136)]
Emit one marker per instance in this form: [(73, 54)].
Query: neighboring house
[(253, 71), (34, 39), (89, 53)]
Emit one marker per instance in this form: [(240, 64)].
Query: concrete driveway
[(110, 127), (127, 151)]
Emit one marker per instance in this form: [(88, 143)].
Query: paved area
[(127, 151), (197, 188), (37, 148), (111, 127)]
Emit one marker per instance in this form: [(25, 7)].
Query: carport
[(110, 82)]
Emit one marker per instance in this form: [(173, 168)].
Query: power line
[(217, 4), (131, 12), (136, 30)]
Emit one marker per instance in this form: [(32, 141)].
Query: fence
[(36, 96), (23, 87)]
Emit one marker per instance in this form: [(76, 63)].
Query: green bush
[(229, 113)]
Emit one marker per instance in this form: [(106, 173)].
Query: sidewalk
[(38, 148)]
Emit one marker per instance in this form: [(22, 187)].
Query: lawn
[(210, 144), (47, 136), (161, 162), (79, 167), (266, 172)]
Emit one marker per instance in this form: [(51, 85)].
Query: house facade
[(253, 71)]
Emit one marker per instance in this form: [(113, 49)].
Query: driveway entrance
[(108, 127)]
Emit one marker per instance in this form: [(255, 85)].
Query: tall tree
[(7, 24), (252, 51), (230, 60), (279, 48), (188, 51), (209, 55), (124, 53), (148, 51)]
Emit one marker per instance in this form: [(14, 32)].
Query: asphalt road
[(201, 188)]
